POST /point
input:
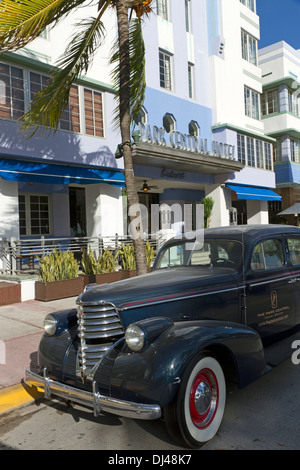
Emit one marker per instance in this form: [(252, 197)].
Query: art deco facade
[(201, 132)]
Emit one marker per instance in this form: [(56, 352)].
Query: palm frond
[(137, 70), (48, 105), (21, 21)]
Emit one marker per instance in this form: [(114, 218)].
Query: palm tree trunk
[(132, 196)]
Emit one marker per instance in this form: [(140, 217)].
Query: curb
[(17, 395)]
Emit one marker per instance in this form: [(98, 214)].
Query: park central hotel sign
[(176, 140)]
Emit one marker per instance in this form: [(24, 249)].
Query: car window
[(294, 249), (173, 256), (216, 253), (267, 255)]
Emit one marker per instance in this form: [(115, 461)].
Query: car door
[(270, 306)]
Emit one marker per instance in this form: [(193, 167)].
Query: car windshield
[(211, 253)]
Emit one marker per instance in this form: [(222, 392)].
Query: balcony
[(282, 123)]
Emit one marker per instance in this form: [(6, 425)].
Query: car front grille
[(99, 327)]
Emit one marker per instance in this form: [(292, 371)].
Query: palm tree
[(23, 21)]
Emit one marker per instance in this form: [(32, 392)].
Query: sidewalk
[(21, 328)]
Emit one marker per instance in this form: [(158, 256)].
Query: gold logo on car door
[(274, 299)]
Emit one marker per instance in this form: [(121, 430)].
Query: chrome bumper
[(93, 400)]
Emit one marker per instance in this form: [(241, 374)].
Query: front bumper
[(93, 400)]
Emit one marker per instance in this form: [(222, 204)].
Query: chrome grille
[(99, 327)]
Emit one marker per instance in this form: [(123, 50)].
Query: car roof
[(241, 232)]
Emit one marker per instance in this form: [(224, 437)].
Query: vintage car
[(222, 307)]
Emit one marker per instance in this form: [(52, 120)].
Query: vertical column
[(222, 204), (257, 212), (104, 210), (9, 209), (283, 98)]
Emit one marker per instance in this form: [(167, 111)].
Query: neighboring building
[(280, 65), (201, 133), (69, 183), (203, 81)]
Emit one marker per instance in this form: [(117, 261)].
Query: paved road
[(265, 415)]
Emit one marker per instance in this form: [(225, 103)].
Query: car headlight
[(140, 335), (50, 325), (135, 338)]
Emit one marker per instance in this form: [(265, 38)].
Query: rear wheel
[(196, 414)]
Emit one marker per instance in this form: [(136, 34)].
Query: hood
[(158, 285)]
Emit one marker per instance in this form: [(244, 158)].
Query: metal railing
[(22, 256)]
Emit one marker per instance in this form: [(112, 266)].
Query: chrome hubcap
[(204, 398)]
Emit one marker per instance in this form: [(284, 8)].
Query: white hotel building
[(280, 110), (201, 132)]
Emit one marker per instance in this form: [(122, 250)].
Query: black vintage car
[(215, 309)]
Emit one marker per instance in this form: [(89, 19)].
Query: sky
[(279, 21)]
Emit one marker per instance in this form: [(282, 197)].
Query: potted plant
[(102, 270), (128, 259), (58, 276), (149, 255), (208, 207)]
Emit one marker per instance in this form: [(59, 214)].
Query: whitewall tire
[(197, 412)]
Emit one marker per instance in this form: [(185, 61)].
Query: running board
[(282, 350)]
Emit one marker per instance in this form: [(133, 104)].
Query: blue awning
[(45, 172), (254, 192)]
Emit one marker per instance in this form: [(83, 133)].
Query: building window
[(188, 16), (34, 214), (249, 3), (269, 102), (37, 83), (142, 116), (254, 152), (93, 113), (194, 129), (84, 107), (169, 123), (250, 152), (165, 71), (293, 103), (70, 116), (191, 80), (295, 150), (241, 149), (11, 92), (249, 47), (259, 154), (268, 156), (162, 9), (251, 98)]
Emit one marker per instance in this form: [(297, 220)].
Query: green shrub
[(106, 263), (128, 257), (149, 254), (57, 266)]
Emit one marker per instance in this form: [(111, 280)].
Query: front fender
[(154, 374), (54, 349)]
